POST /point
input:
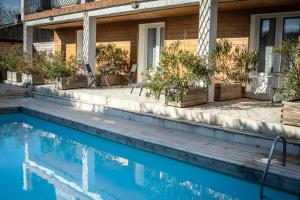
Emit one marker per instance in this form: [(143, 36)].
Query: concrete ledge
[(214, 131), (78, 97)]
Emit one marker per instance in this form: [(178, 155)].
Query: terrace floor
[(240, 114), (241, 108)]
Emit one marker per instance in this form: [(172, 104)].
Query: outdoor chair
[(130, 77), (91, 74)]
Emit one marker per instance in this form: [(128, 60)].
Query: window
[(266, 44), (267, 32)]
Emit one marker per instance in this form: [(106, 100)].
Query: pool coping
[(240, 171)]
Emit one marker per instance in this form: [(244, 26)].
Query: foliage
[(178, 71), (111, 56), (233, 66), (36, 64), (290, 71), (13, 59), (58, 67)]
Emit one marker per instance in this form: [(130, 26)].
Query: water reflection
[(99, 169)]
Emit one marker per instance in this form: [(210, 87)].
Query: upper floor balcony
[(34, 6)]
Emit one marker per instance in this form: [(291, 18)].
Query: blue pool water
[(42, 160)]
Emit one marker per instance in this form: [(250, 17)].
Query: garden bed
[(194, 96), (33, 79), (78, 81), (14, 76), (290, 113), (227, 91)]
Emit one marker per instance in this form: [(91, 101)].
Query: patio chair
[(130, 77), (91, 74)]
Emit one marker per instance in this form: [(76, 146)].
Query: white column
[(208, 14), (89, 41), (22, 9), (27, 39), (88, 169)]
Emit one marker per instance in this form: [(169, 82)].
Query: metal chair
[(130, 77), (91, 74)]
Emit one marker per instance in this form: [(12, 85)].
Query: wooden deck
[(231, 158)]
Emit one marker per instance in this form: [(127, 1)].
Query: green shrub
[(111, 56), (178, 71), (233, 65), (58, 67), (289, 89), (13, 59)]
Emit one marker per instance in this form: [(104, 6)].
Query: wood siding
[(65, 41)]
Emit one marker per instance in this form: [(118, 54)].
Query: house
[(12, 34), (143, 27)]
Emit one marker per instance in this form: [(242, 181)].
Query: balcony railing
[(33, 6)]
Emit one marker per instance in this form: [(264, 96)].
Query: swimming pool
[(43, 160)]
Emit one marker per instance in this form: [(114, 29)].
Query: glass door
[(155, 43), (266, 45), (269, 30)]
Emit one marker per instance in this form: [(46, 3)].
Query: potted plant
[(232, 69), (64, 72), (289, 89), (13, 61), (182, 75), (111, 63), (33, 71)]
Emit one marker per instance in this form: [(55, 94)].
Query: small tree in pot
[(289, 89), (64, 71), (178, 75), (33, 73), (13, 61), (233, 67), (111, 62)]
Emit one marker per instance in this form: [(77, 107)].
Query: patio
[(240, 114)]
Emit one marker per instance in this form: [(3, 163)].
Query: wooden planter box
[(14, 76), (33, 79), (112, 79), (227, 92), (194, 96), (290, 113), (78, 81)]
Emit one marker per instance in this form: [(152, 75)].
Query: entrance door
[(151, 42), (267, 33)]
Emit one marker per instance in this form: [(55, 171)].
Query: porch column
[(27, 39), (208, 14), (89, 41)]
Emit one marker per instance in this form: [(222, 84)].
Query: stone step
[(238, 136), (10, 91)]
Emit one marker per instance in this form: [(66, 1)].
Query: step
[(238, 136)]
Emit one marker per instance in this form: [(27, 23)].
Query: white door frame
[(142, 47), (254, 44)]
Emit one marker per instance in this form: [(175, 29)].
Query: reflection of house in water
[(70, 167), (78, 171)]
